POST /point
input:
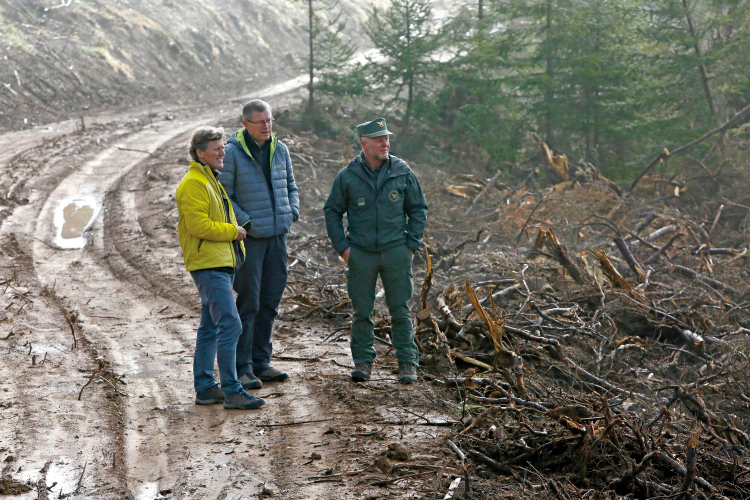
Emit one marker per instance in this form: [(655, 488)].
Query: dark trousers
[(259, 284), (394, 267)]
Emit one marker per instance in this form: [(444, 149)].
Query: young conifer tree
[(328, 47), (405, 37)]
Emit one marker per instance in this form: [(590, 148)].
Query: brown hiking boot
[(361, 372), (407, 373)]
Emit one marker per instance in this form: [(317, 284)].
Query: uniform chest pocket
[(393, 190), (360, 198), (392, 198)]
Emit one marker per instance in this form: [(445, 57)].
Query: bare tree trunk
[(548, 132), (311, 71), (409, 99), (701, 66), (409, 80)]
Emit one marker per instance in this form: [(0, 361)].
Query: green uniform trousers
[(394, 267)]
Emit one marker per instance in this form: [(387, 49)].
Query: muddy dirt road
[(116, 296)]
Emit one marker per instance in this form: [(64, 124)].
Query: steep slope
[(68, 57)]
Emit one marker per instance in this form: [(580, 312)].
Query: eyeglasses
[(264, 122)]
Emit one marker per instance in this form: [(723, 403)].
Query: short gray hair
[(252, 106), (202, 136)]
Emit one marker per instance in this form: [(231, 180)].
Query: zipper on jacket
[(199, 245), (224, 208), (377, 217), (234, 244), (259, 169)]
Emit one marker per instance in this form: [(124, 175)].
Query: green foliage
[(328, 52), (319, 122), (610, 82), (349, 81), (405, 38)]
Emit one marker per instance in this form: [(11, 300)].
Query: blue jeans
[(218, 332), (259, 284)]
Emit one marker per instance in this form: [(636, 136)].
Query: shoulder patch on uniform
[(393, 195)]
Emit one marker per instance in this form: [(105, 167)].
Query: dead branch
[(427, 284), (451, 323), (663, 249), (526, 222), (302, 422), (604, 383), (479, 457), (630, 259), (504, 358), (100, 366), (483, 191), (665, 153), (470, 307), (609, 270), (571, 262), (386, 482), (555, 349), (455, 449), (690, 461), (524, 457), (72, 330), (675, 268), (695, 405), (557, 165)]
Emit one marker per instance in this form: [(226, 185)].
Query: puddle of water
[(72, 218), (61, 471), (131, 361), (50, 349), (148, 491)]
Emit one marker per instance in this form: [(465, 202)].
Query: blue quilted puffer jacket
[(246, 186)]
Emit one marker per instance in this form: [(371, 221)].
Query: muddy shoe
[(212, 396), (407, 373), (242, 401), (250, 381), (271, 374), (361, 372)]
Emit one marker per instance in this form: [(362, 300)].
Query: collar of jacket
[(396, 167), (239, 137), (209, 174), (204, 169)]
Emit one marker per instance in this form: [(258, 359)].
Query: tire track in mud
[(255, 457), (169, 443), (112, 309)]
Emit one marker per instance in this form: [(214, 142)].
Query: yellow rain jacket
[(206, 228)]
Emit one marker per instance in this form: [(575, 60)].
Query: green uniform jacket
[(379, 216), (207, 232)]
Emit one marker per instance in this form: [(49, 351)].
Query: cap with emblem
[(375, 128)]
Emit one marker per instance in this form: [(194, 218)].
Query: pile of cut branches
[(570, 373), (588, 355)]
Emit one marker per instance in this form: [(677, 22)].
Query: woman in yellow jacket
[(212, 249)]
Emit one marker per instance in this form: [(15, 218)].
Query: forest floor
[(578, 408), (135, 432)]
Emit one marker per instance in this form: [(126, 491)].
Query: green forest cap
[(375, 128)]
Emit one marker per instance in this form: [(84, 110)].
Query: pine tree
[(404, 35), (328, 49)]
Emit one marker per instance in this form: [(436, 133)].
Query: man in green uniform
[(386, 213)]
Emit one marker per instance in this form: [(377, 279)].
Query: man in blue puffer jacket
[(258, 179)]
